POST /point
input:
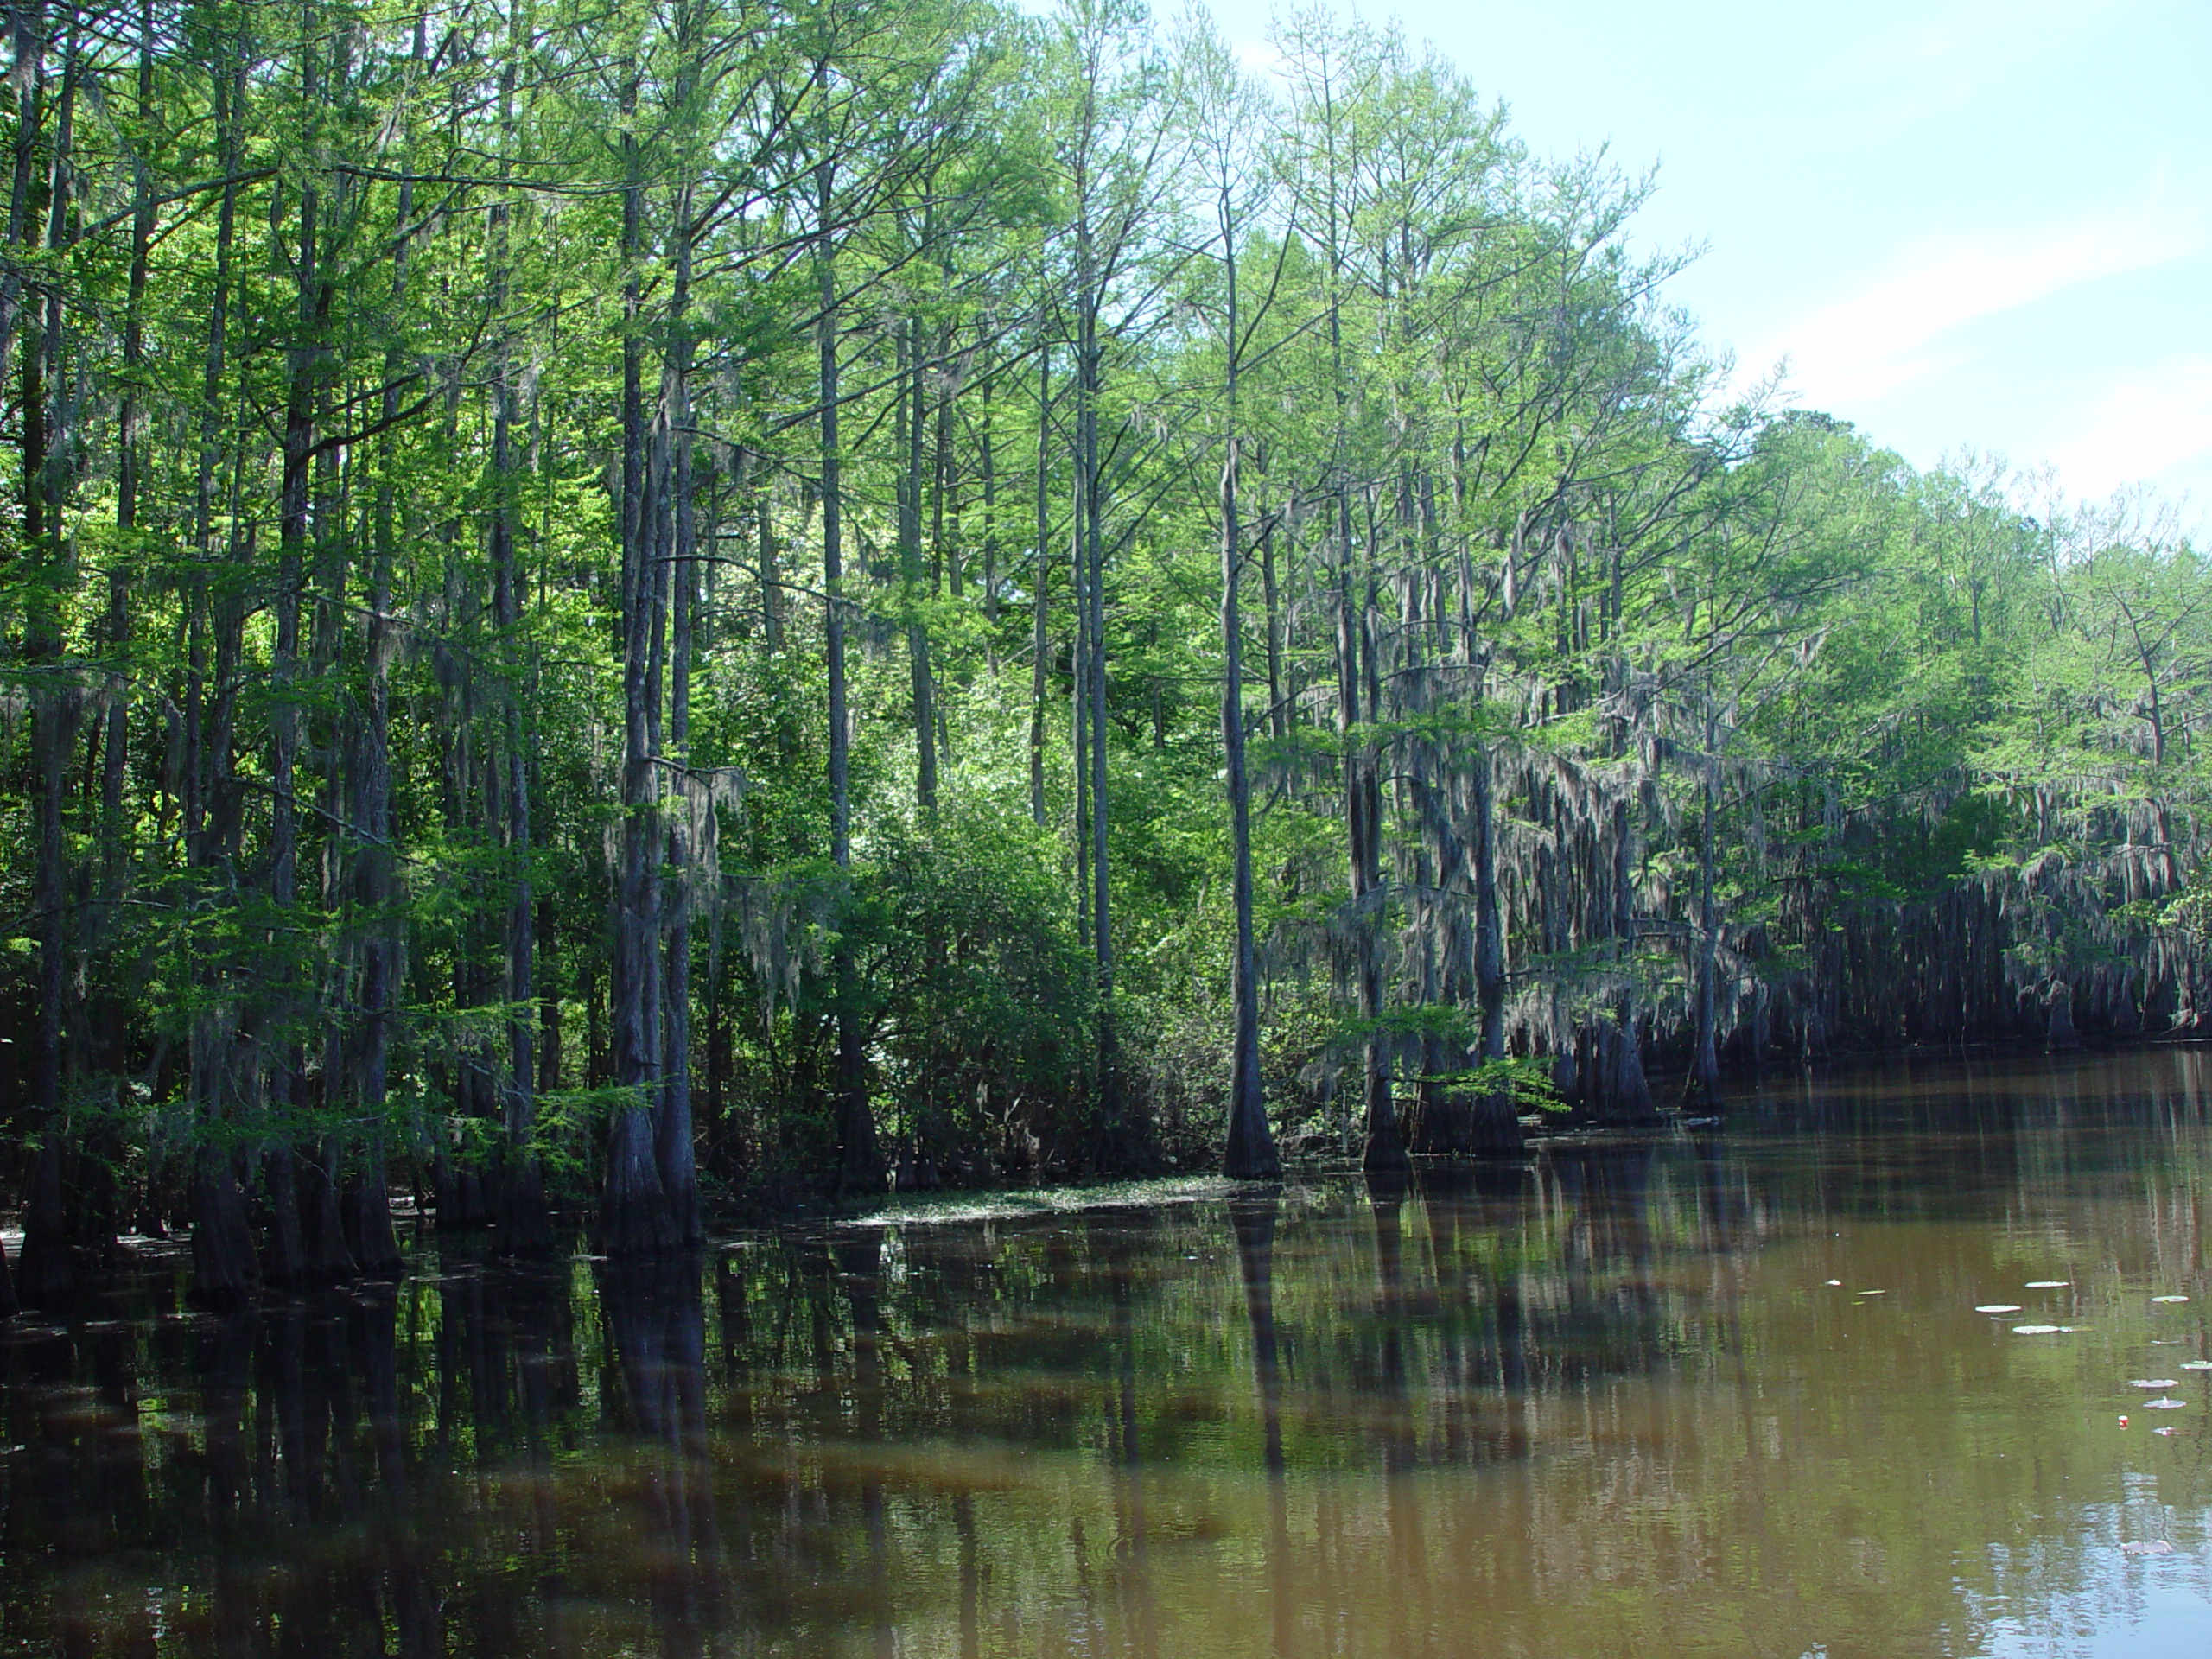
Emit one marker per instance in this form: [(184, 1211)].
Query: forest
[(616, 611)]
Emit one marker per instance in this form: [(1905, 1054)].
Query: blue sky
[(1981, 224)]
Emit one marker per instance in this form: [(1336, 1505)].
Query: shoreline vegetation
[(609, 610)]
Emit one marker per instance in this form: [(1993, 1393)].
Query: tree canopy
[(610, 606)]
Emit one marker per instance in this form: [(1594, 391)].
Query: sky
[(1979, 224)]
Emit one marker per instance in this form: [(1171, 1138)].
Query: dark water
[(1608, 1405)]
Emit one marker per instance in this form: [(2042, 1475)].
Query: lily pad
[(2036, 1329), (2164, 1430), (2149, 1547), (2048, 1284), (1998, 1308), (2154, 1383), (2196, 1364), (2170, 1299), (2163, 1403)]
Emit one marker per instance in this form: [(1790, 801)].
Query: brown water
[(1611, 1405)]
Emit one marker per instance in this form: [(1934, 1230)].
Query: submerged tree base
[(226, 1273)]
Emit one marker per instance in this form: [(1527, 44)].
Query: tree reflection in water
[(1606, 1402)]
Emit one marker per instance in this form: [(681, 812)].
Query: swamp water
[(1727, 1395)]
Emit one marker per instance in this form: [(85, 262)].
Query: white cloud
[(1902, 329), (2153, 425)]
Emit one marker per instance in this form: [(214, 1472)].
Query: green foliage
[(1528, 1083), (462, 616)]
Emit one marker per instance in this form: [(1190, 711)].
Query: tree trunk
[(224, 1270), (1383, 1145), (46, 1271), (1703, 1086), (634, 1215), (1278, 706), (1250, 1153), (908, 437), (525, 1225), (772, 615), (1090, 552), (282, 1262), (674, 1151), (1039, 642), (860, 1161), (988, 460)]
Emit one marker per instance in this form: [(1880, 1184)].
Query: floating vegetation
[(2170, 1299), (2154, 1383), (2163, 1403), (1998, 1307), (2039, 1330), (2048, 1284), (968, 1207), (2149, 1547)]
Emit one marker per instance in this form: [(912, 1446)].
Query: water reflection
[(1610, 1402)]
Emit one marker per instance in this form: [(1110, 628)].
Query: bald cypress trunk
[(1278, 703), (988, 461), (908, 434), (282, 1257), (1040, 641), (47, 1274), (348, 1223), (1090, 686), (673, 1152), (1250, 1153), (111, 1035), (525, 1225), (1703, 1086), (1382, 1146), (860, 1159), (635, 1218), (224, 1270)]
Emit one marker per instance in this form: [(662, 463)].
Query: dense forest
[(613, 608)]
